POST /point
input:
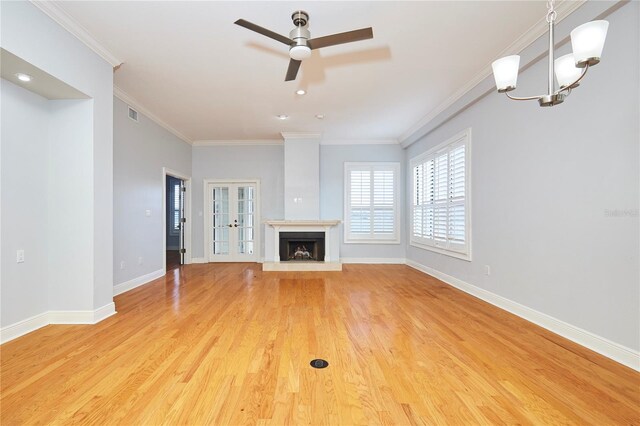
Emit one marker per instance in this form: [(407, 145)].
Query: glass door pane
[(220, 216), (246, 219)]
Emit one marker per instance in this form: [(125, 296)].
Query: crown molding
[(272, 142), (62, 18), (300, 135), (359, 142), (563, 9), (239, 142), (132, 102)]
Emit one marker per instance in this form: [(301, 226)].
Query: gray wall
[(25, 122), (140, 151), (70, 206), (332, 159), (238, 162), (82, 130), (267, 164), (543, 180)]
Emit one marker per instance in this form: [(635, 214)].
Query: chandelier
[(587, 42)]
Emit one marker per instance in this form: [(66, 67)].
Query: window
[(371, 203), (175, 224), (440, 210)]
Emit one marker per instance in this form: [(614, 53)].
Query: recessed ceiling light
[(320, 116), (23, 77), (301, 92), (282, 116)]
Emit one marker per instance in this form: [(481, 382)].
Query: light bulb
[(23, 77)]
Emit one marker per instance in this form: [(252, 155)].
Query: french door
[(233, 221)]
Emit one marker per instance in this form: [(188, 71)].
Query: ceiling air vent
[(133, 114)]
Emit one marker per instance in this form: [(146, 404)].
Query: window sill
[(346, 241), (456, 254)]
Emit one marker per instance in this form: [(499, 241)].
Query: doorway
[(232, 221), (174, 229), (176, 235)]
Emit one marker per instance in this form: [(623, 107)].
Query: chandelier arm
[(528, 98), (584, 72)]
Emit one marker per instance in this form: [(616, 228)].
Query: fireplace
[(302, 246)]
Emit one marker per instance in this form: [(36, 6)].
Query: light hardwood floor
[(230, 344)]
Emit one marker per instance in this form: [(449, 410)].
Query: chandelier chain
[(551, 13)]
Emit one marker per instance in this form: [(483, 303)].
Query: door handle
[(230, 226)]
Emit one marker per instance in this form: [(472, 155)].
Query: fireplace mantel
[(272, 242), (303, 223)]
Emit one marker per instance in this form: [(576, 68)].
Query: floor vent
[(319, 363)]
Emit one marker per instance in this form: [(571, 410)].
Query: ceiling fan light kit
[(300, 42), (587, 42)]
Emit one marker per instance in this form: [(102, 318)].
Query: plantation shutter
[(176, 207), (456, 216), (439, 198), (371, 201), (383, 202), (360, 217)]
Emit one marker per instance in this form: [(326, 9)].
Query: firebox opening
[(302, 246)]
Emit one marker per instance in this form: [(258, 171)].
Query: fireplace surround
[(318, 242)]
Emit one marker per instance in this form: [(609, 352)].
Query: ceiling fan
[(300, 42)]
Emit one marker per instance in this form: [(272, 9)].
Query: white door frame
[(187, 214), (207, 237)]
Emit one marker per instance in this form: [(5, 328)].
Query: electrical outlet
[(487, 270), (20, 256), (140, 261), (147, 213), (122, 264)]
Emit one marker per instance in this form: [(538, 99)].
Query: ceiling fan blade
[(341, 38), (292, 71), (260, 30)]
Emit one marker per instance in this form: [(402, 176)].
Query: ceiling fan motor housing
[(300, 18), (300, 34)]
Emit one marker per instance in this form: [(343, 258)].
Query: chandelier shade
[(566, 71), (505, 72), (587, 42)]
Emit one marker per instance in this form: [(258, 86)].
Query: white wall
[(332, 159), (28, 33), (25, 122), (140, 150), (543, 180), (302, 178), (238, 162)]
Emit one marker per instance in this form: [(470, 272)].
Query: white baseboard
[(28, 325), (104, 312), (374, 260), (198, 260), (137, 282), (23, 327), (615, 351)]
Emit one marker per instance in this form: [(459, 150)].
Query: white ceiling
[(188, 64)]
